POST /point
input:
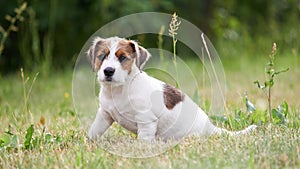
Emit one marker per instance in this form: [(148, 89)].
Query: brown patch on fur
[(172, 96), (126, 49), (100, 48)]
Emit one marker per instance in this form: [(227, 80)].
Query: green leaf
[(14, 141), (271, 82), (278, 116), (207, 104), (281, 71), (78, 158), (5, 140), (267, 84), (1, 142), (286, 108), (221, 119), (67, 111), (258, 84), (48, 137), (270, 63), (35, 142), (28, 137), (283, 108), (259, 117), (270, 71)]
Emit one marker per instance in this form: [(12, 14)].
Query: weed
[(203, 75), (271, 74)]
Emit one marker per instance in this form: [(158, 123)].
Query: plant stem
[(214, 72), (269, 102), (160, 43), (24, 92), (174, 25), (174, 48), (174, 59)]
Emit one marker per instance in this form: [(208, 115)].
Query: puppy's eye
[(122, 58), (101, 57)]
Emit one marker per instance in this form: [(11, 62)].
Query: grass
[(59, 139)]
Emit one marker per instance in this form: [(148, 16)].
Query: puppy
[(142, 104)]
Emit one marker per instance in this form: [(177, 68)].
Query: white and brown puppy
[(140, 103)]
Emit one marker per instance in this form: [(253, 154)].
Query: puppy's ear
[(142, 55), (93, 51), (90, 55)]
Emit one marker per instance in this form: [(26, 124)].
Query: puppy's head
[(114, 59)]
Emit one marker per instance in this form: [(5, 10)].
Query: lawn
[(44, 131)]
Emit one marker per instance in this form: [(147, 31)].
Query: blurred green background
[(53, 32)]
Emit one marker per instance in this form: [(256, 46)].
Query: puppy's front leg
[(101, 123), (147, 131)]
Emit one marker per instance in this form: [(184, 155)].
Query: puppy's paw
[(146, 139), (92, 134)]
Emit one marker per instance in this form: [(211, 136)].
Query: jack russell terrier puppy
[(142, 104)]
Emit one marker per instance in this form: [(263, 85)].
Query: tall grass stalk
[(214, 71), (217, 79), (160, 43), (26, 94), (173, 28), (203, 75), (174, 25)]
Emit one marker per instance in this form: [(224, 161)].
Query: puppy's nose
[(109, 71)]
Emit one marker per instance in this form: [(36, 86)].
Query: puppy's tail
[(248, 130)]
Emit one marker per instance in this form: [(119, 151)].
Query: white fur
[(136, 102)]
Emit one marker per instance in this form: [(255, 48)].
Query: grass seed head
[(174, 25)]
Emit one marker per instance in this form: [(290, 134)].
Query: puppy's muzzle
[(109, 72)]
